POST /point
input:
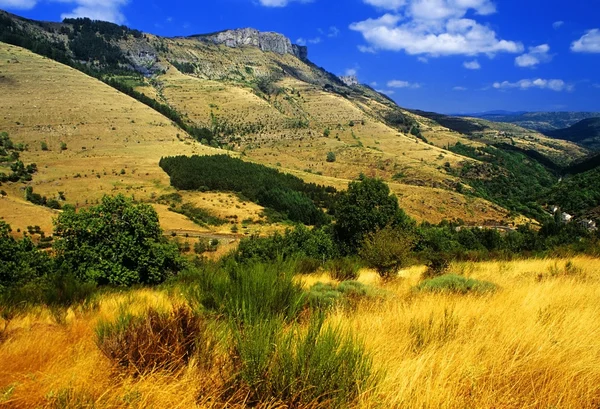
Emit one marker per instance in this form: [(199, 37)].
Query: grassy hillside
[(585, 132)]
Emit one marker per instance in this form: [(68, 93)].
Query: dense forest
[(287, 194)]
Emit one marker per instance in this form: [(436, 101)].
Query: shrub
[(63, 146), (438, 265), (387, 251), (155, 341), (343, 268), (307, 265), (331, 157), (455, 284), (116, 242), (44, 146), (249, 293), (313, 367), (325, 295)]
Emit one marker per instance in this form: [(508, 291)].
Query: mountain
[(585, 133), (249, 94), (539, 121)]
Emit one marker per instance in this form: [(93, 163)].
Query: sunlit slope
[(299, 123), (113, 143)]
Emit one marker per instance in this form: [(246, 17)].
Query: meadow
[(531, 343)]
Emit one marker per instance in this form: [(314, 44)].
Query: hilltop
[(539, 121)]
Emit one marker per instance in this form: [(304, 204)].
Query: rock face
[(273, 42), (349, 80)]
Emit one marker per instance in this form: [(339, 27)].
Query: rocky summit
[(250, 37)]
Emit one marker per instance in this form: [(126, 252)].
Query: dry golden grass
[(534, 343)]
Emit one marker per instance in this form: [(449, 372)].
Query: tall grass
[(248, 293)]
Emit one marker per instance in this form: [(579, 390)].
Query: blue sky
[(451, 56)]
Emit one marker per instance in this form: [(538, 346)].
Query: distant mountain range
[(539, 121)]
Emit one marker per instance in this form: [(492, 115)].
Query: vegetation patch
[(300, 201), (455, 284)]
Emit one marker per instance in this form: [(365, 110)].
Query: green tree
[(366, 207), (387, 250), (331, 157), (116, 242)]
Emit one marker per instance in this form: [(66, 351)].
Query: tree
[(366, 207), (331, 157), (387, 250), (116, 242)]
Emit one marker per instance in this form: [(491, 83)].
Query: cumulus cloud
[(402, 84), (588, 43), (557, 24), (472, 65), (551, 84), (433, 27), (535, 56), (333, 32), (18, 4), (106, 10)]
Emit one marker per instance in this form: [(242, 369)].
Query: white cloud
[(351, 72), (552, 84), (18, 4), (301, 41), (558, 24), (279, 3), (423, 60), (385, 91), (459, 88), (472, 65), (402, 84), (374, 84), (333, 32), (535, 56), (588, 43), (433, 28)]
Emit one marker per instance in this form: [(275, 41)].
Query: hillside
[(539, 121), (585, 133), (253, 94)]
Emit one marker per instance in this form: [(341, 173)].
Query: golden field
[(534, 343)]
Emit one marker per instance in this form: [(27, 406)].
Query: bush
[(344, 268), (325, 295), (248, 293), (455, 284), (155, 341), (44, 146), (438, 265), (307, 265), (331, 157), (387, 251), (313, 367), (116, 242)]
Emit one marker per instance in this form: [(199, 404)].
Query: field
[(533, 343)]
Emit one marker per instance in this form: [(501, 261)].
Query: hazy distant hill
[(585, 133), (539, 121)]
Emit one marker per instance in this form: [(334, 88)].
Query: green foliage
[(40, 200), (322, 295), (327, 132), (317, 366), (116, 242), (268, 187), (155, 340), (509, 178), (578, 193), (343, 268), (331, 157), (44, 146), (455, 284), (367, 206), (317, 244), (63, 146), (248, 293), (387, 250), (184, 67)]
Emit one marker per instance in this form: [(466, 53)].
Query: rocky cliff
[(250, 37)]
